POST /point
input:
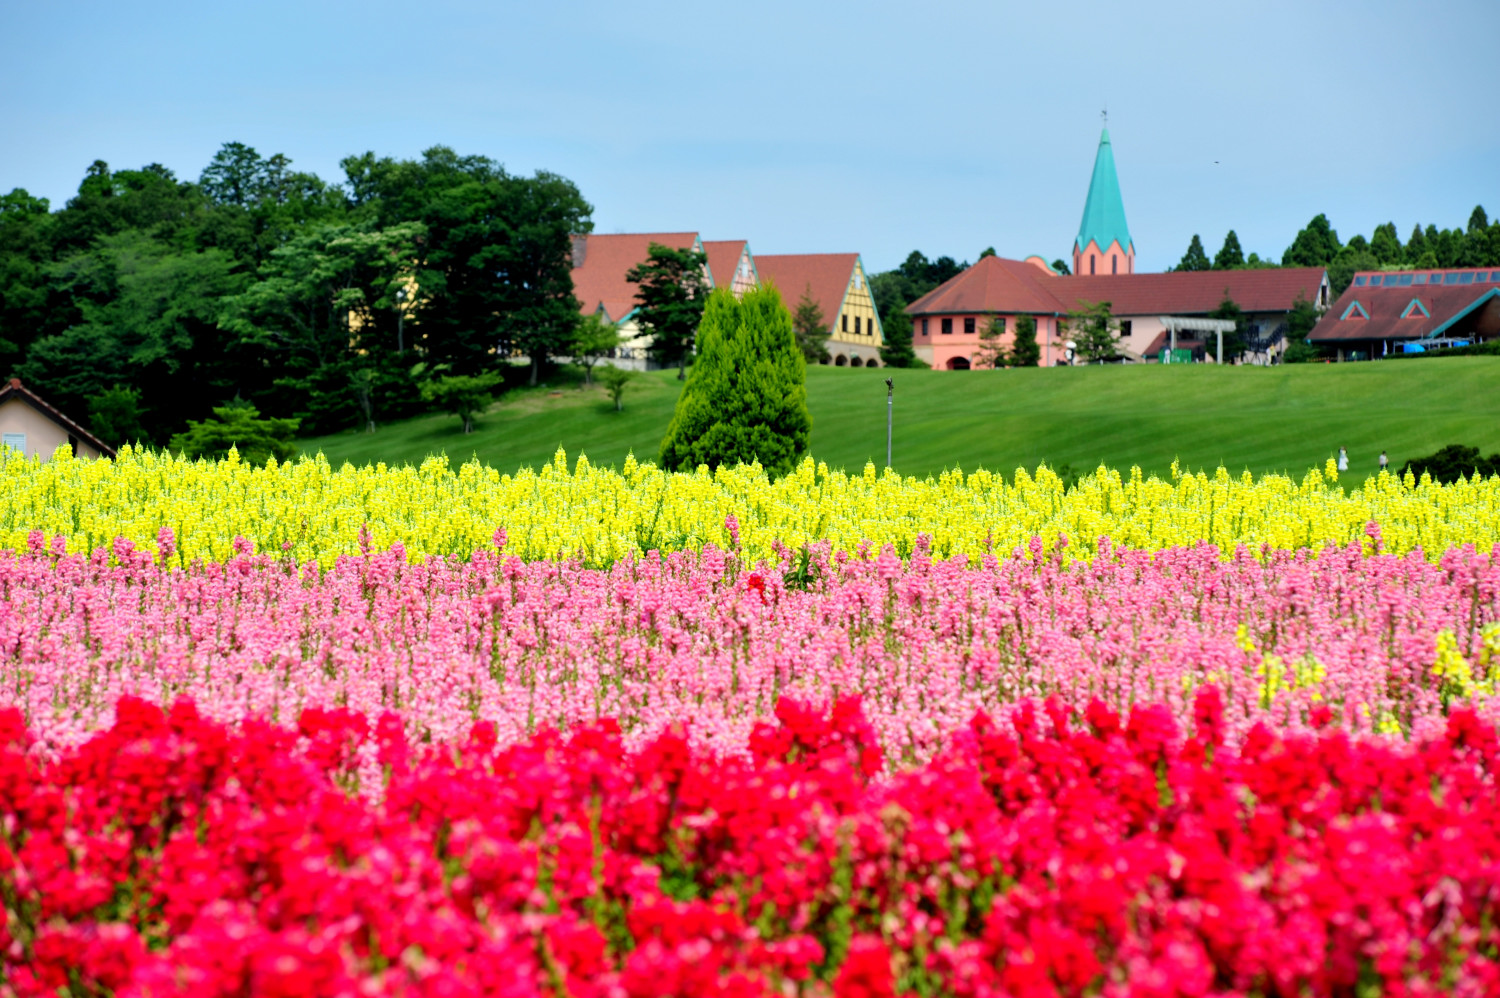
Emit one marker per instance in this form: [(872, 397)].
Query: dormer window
[(1355, 311)]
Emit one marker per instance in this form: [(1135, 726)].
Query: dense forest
[(147, 301), (1318, 245)]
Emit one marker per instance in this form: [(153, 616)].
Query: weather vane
[(1105, 115)]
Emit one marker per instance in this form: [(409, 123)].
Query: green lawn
[(1264, 419)]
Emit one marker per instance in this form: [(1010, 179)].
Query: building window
[(947, 327), (924, 327), (1114, 264), (16, 440), (844, 322), (1124, 328), (856, 325), (1091, 265), (968, 325)]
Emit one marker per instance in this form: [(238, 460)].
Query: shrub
[(746, 398), (1452, 463)]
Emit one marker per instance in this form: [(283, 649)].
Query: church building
[(996, 293), (1103, 245)]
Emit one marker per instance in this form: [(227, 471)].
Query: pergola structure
[(1217, 326)]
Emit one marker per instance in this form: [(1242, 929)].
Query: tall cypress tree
[(1195, 258), (1230, 255), (746, 395)]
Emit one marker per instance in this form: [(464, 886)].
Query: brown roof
[(1375, 313), (1197, 292), (599, 281), (825, 276), (723, 259), (995, 284), (14, 389)]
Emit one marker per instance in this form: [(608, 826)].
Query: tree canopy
[(672, 288)]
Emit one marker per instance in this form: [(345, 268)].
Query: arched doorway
[(872, 362), (958, 364), (855, 362), (840, 361)]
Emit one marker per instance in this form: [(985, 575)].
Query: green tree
[(1416, 246), (1195, 258), (25, 251), (495, 266), (1315, 246), (1385, 245), (1230, 255), (991, 351), (810, 328), (1236, 339), (1061, 266), (897, 351), (746, 399), (1094, 331), (614, 380), (239, 427), (1299, 323), (316, 307), (115, 416), (146, 315), (1025, 351), (987, 251), (463, 395), (1350, 260), (671, 290), (594, 338), (1478, 219)]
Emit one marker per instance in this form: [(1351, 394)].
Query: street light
[(400, 320), (890, 391)]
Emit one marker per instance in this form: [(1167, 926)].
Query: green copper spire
[(1104, 211)]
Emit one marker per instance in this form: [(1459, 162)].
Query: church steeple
[(1103, 245)]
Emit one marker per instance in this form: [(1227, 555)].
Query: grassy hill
[(1261, 419)]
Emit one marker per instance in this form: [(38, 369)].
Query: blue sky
[(804, 127)]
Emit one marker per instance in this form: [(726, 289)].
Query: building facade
[(731, 265), (947, 322), (34, 427), (600, 266), (1411, 311), (838, 285)]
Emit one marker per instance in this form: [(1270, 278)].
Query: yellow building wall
[(857, 304)]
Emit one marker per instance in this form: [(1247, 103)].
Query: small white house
[(31, 425)]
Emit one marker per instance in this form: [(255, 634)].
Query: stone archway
[(840, 361), (872, 362), (958, 363), (855, 361)]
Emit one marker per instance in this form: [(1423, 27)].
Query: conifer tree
[(811, 329), (1195, 258), (746, 396), (1230, 255), (1024, 349), (991, 351)]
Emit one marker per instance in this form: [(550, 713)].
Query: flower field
[(295, 730)]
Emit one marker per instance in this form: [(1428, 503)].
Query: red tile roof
[(14, 389), (723, 259), (600, 280), (824, 275), (995, 284), (1193, 292), (1385, 306)]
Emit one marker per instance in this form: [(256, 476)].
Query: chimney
[(580, 250)]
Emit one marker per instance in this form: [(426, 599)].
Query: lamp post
[(890, 391), (400, 320)]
